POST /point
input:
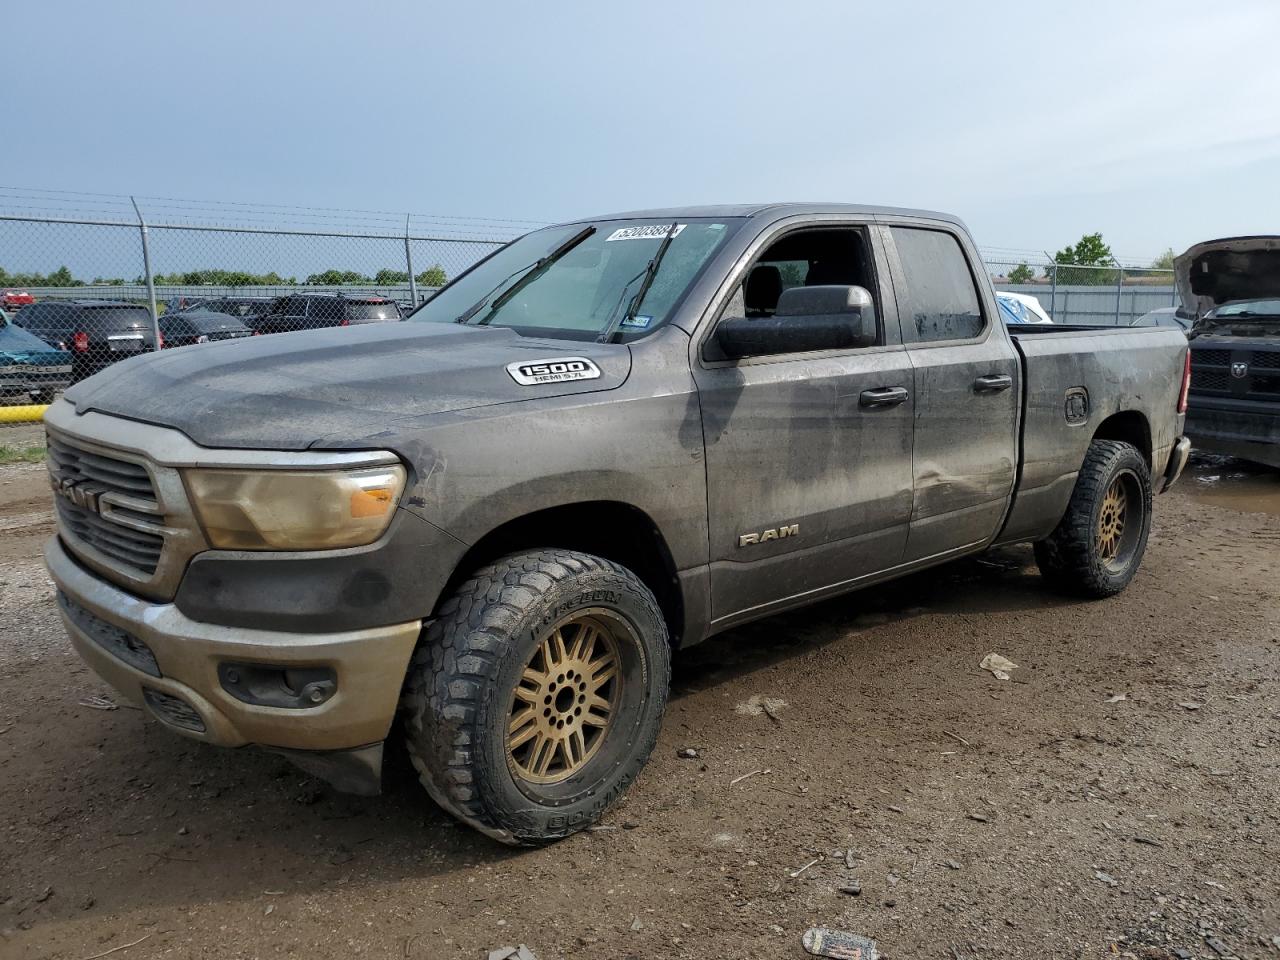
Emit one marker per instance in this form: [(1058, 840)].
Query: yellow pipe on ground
[(31, 413)]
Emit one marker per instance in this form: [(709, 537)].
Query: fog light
[(267, 685)]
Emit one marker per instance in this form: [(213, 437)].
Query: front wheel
[(1097, 547), (536, 696)]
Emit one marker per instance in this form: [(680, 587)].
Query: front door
[(808, 455)]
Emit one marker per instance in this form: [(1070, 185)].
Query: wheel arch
[(612, 529), (1128, 426)]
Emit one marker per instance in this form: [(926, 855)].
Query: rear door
[(808, 455), (966, 379)]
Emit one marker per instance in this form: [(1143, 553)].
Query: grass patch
[(33, 453)]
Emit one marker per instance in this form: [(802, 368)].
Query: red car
[(16, 299)]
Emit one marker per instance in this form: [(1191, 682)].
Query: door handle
[(992, 384), (883, 397)]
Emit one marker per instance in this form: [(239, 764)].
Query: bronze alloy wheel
[(1111, 520), (1120, 521), (566, 698)]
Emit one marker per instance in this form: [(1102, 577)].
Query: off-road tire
[(458, 693), (1070, 558)]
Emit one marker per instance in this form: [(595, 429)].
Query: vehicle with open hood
[(1231, 290), (610, 439)]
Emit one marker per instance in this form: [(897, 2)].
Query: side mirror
[(807, 318)]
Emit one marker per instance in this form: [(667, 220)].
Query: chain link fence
[(1111, 295), (86, 280)]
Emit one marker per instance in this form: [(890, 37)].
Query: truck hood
[(1216, 272), (291, 391)]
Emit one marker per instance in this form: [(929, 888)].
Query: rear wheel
[(1098, 546), (536, 696)]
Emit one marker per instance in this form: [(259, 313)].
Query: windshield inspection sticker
[(639, 322), (555, 370), (653, 231)]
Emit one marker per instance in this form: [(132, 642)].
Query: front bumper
[(1247, 429), (168, 664)]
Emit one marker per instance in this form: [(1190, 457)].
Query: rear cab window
[(940, 299)]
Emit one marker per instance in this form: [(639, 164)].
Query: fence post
[(408, 259), (1053, 291), (151, 283), (1119, 292)]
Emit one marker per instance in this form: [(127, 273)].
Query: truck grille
[(1212, 358), (1267, 360), (135, 549), (1211, 373), (1210, 380), (72, 464), (109, 511)]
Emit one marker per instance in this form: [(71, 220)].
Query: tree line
[(1088, 263), (433, 276)]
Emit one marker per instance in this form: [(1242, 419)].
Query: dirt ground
[(1119, 796)]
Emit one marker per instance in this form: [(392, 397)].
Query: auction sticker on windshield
[(653, 231), (555, 370)]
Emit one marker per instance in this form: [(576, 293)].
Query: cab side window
[(807, 258), (940, 301)]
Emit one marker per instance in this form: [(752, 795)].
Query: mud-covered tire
[(460, 692), (1073, 558)]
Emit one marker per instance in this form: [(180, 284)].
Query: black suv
[(311, 311), (96, 332), (200, 325)]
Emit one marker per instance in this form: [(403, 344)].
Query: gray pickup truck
[(609, 440)]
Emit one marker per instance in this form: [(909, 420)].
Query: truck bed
[(1134, 372)]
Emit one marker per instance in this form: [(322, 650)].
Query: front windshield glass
[(588, 290), (1251, 309)]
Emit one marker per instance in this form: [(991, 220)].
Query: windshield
[(1251, 309), (586, 290), (1015, 311), (382, 310)]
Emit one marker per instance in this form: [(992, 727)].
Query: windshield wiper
[(526, 273), (650, 271)]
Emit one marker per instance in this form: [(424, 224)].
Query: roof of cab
[(772, 211)]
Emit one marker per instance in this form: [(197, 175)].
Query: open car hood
[(1215, 272)]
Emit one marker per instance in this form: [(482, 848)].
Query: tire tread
[(449, 674)]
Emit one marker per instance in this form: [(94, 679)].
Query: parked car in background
[(97, 333), (1232, 289), (248, 309), (312, 311), (1163, 317), (178, 304), (1020, 308), (13, 300), (200, 325), (29, 365)]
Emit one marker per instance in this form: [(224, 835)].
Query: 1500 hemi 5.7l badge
[(555, 370)]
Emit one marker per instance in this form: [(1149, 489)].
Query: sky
[(1156, 123)]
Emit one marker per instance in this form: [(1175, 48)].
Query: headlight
[(295, 509)]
